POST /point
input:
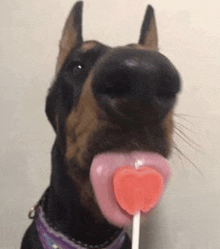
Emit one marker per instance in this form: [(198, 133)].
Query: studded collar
[(52, 239)]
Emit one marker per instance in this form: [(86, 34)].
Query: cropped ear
[(71, 38), (72, 34), (148, 37)]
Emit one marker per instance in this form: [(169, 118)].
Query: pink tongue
[(101, 174)]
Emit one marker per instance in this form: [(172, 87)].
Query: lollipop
[(128, 186), (137, 190)]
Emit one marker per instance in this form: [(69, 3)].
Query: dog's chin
[(101, 174)]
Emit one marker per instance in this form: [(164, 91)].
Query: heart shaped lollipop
[(137, 189)]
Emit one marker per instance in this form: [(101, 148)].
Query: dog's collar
[(52, 239)]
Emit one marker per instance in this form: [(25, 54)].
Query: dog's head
[(108, 99)]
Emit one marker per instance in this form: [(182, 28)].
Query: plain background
[(189, 35)]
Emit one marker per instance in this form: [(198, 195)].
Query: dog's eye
[(79, 66), (76, 67)]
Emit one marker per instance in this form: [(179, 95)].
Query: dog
[(103, 100)]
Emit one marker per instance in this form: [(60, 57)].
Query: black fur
[(140, 90), (77, 21)]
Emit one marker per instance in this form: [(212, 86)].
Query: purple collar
[(52, 239)]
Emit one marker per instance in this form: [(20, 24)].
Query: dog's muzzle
[(135, 84)]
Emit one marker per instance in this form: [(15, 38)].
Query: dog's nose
[(130, 81)]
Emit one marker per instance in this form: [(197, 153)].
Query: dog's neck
[(63, 209)]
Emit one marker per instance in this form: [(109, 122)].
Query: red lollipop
[(137, 189)]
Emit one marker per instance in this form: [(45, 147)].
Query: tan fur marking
[(81, 122), (168, 129), (87, 46)]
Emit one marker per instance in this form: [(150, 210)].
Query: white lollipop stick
[(136, 230), (136, 220)]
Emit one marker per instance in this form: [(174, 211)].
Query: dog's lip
[(102, 169)]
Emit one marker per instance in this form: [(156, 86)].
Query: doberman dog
[(102, 100)]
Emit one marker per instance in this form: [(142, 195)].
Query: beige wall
[(189, 32)]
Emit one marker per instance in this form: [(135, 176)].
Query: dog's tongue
[(101, 173)]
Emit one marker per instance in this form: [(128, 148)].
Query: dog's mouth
[(108, 145), (111, 147), (101, 174)]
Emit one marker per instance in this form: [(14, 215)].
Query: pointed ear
[(72, 34), (148, 37)]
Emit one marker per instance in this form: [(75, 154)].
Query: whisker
[(177, 154), (175, 147), (187, 138), (187, 115), (183, 126), (180, 117)]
